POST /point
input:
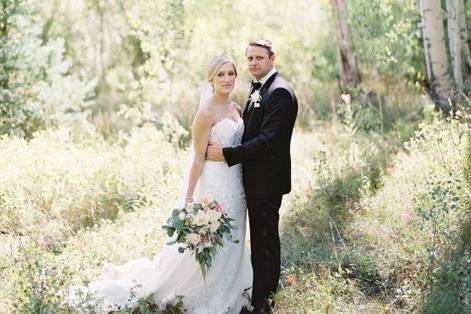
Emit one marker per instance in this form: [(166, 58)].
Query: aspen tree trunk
[(454, 41), (4, 34), (466, 55), (350, 73), (436, 58), (458, 42)]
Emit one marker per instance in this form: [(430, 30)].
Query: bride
[(173, 275)]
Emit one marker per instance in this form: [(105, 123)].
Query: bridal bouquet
[(201, 228)]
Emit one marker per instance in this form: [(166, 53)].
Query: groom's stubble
[(259, 62)]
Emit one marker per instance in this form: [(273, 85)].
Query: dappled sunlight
[(97, 106)]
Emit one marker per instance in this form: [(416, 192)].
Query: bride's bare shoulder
[(204, 116)]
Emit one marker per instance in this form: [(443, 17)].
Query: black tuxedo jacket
[(265, 148)]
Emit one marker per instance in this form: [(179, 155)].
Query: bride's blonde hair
[(216, 63)]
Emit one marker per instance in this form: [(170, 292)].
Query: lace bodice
[(219, 180), (227, 132)]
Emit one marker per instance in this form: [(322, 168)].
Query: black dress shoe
[(245, 311), (264, 310)]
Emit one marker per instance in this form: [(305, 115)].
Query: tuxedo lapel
[(266, 86), (247, 105), (248, 108)]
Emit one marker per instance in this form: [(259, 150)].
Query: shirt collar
[(264, 79)]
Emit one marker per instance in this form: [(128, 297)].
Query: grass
[(96, 194), (317, 216), (371, 226), (384, 237)]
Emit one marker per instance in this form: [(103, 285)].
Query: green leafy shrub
[(36, 88), (63, 183), (413, 228), (39, 278), (71, 201), (399, 238)]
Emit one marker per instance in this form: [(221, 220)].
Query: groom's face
[(259, 62)]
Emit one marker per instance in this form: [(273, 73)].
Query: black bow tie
[(255, 85)]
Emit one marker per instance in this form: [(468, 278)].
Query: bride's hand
[(189, 200)]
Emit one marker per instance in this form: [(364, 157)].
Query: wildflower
[(291, 280)]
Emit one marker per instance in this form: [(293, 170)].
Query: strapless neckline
[(227, 132), (227, 119)]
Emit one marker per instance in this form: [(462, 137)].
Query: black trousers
[(265, 248)]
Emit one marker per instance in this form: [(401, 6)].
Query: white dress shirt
[(264, 79)]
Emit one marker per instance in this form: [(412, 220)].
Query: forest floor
[(354, 235)]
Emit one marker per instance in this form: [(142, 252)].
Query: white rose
[(214, 215), (182, 216), (200, 219), (214, 226), (193, 239)]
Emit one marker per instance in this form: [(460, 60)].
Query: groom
[(269, 118)]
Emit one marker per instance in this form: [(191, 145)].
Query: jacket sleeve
[(277, 121)]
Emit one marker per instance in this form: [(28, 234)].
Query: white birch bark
[(454, 41), (466, 55), (435, 52)]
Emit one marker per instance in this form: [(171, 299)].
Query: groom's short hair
[(262, 43)]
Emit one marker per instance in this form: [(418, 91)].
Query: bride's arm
[(200, 137)]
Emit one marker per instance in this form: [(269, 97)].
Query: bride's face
[(224, 80)]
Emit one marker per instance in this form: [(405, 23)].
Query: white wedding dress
[(172, 274)]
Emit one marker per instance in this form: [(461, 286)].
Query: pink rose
[(205, 238), (205, 200), (219, 208)]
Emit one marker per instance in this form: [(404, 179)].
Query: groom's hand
[(214, 152)]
